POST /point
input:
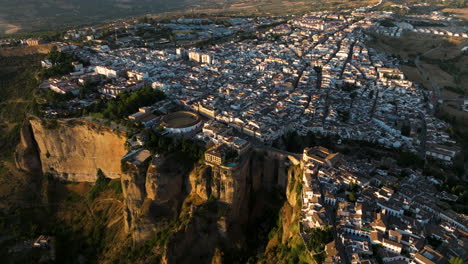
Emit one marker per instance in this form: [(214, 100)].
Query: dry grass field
[(27, 50), (445, 51), (453, 112), (279, 7), (409, 45), (413, 74), (461, 13)]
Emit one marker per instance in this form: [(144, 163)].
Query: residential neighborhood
[(309, 74), (237, 84)]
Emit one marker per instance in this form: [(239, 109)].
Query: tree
[(409, 159), (353, 187), (406, 130), (344, 116), (387, 23), (349, 87), (352, 197), (319, 238), (128, 103), (352, 96), (158, 143), (61, 64), (99, 186), (456, 260)]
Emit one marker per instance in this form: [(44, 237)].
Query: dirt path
[(425, 75), (9, 28)]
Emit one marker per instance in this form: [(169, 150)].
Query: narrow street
[(348, 59)]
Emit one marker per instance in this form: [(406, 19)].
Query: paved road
[(348, 59), (423, 136)]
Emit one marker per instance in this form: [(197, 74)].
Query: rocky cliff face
[(231, 186), (27, 156), (291, 210), (285, 244), (153, 192), (71, 149), (224, 205), (194, 212), (269, 169)]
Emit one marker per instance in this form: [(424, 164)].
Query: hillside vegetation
[(17, 84)]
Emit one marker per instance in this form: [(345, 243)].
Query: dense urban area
[(383, 179)]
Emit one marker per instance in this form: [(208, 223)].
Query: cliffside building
[(228, 153), (321, 156), (216, 154)]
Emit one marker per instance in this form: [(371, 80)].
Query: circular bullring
[(181, 122)]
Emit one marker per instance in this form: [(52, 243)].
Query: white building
[(106, 71)]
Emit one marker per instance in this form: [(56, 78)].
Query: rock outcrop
[(164, 180), (224, 201), (200, 182), (197, 240), (286, 238), (72, 150), (269, 169), (232, 187), (27, 156), (291, 211), (153, 192), (197, 212)]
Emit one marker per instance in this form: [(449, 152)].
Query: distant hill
[(32, 15)]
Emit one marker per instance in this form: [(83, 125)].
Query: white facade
[(106, 71), (182, 130)]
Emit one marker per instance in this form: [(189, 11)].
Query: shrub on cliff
[(102, 184), (319, 237), (99, 186), (50, 123), (116, 186)]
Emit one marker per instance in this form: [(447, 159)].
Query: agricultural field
[(461, 13), (283, 7), (32, 15)]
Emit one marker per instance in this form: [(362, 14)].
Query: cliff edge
[(70, 149)]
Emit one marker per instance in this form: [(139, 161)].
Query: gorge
[(176, 207)]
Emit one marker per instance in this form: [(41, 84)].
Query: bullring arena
[(181, 122)]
